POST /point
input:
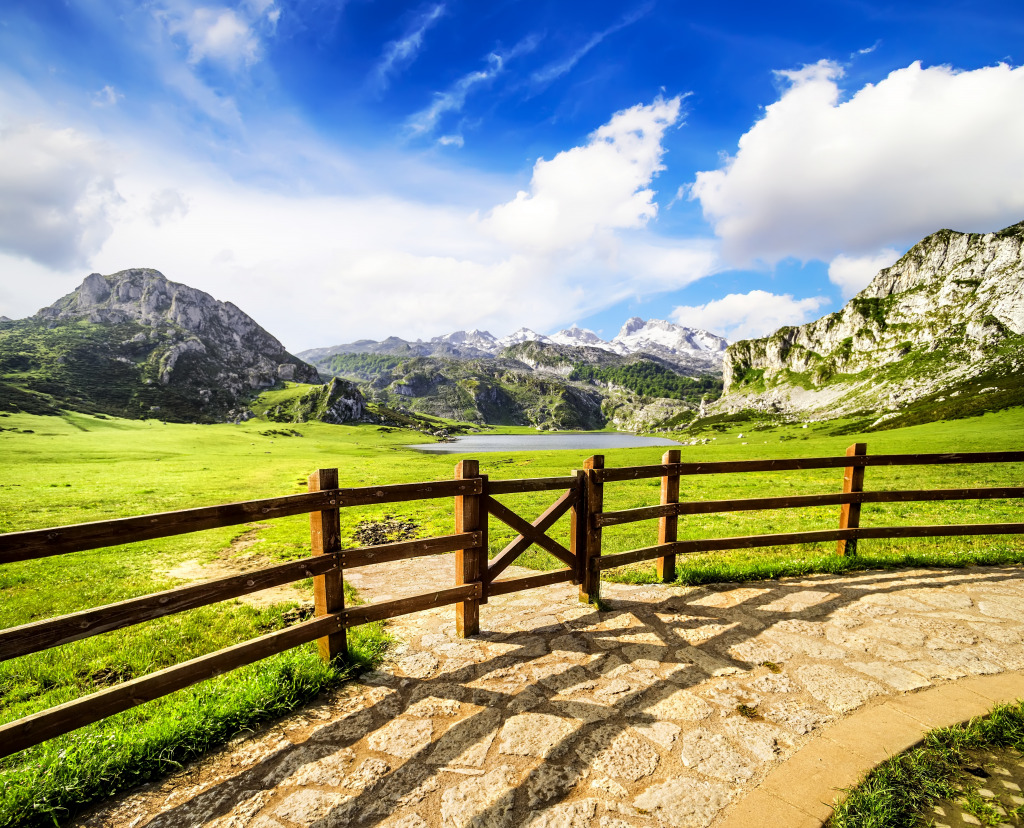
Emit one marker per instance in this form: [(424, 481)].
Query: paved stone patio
[(666, 710)]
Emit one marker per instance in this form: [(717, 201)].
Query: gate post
[(849, 513), (668, 526), (329, 588), (467, 561), (578, 527), (590, 588)]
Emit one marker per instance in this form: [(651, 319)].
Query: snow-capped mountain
[(580, 337), (677, 343), (462, 340), (522, 335), (657, 335)]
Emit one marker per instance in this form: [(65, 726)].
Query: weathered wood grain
[(353, 616), (705, 507)]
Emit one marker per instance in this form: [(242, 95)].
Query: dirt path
[(241, 556), (665, 711)]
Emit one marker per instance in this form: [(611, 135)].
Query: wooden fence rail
[(476, 576)]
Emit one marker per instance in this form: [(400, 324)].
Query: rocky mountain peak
[(180, 337), (632, 325), (950, 310)]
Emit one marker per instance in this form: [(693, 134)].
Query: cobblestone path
[(663, 711)]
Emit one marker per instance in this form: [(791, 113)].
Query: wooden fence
[(476, 576)]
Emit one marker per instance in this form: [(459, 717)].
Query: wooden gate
[(472, 514)]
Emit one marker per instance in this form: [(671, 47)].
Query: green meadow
[(77, 468)]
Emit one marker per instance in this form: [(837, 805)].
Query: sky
[(349, 169)]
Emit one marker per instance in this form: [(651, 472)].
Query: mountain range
[(693, 350), (937, 335)]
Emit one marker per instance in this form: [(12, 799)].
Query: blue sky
[(343, 170)]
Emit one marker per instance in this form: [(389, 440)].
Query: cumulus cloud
[(587, 190), (399, 54), (748, 315), (821, 174), (375, 265), (853, 273), (57, 193)]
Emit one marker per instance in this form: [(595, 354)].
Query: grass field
[(76, 468)]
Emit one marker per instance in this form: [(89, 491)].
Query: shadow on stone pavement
[(660, 711)]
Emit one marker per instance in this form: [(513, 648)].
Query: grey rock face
[(943, 314), (200, 345)]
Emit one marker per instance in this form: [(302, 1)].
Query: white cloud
[(820, 175), (107, 96), (338, 266), (398, 54), (590, 189), (853, 273), (227, 36), (747, 315), (550, 73), (454, 98), (56, 194), (167, 205), (451, 141)]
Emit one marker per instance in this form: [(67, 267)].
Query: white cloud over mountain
[(747, 315), (823, 174), (57, 194), (584, 191), (853, 273), (312, 266)]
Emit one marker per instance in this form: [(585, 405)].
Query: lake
[(542, 442)]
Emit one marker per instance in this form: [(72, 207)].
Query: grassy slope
[(79, 468)]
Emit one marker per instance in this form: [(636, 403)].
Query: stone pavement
[(674, 708)]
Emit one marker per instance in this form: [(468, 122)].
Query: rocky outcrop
[(198, 324), (336, 402), (951, 309), (636, 414), (135, 344)]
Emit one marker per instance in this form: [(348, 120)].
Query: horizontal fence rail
[(802, 464), (791, 538), (476, 577), (706, 507), (41, 543)]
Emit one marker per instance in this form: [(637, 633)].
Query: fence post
[(467, 561), (590, 588), (329, 588), (578, 526), (849, 513), (668, 527)]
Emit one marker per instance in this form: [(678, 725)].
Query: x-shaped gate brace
[(530, 533)]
